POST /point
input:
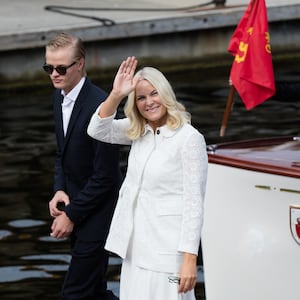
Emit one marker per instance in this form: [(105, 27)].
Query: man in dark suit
[(87, 173)]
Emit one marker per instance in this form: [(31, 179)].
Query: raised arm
[(123, 85)]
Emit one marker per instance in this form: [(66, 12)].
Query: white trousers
[(141, 284)]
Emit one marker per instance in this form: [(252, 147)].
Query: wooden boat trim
[(253, 166), (291, 169)]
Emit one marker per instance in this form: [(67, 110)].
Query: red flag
[(252, 70)]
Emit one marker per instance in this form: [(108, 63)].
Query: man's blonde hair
[(63, 40)]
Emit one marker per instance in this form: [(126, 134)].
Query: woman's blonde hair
[(176, 113)]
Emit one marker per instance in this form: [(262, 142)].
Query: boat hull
[(250, 247)]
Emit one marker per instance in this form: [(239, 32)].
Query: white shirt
[(68, 103), (161, 199)]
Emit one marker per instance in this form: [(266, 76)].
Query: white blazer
[(162, 197)]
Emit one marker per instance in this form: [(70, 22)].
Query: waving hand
[(124, 83)]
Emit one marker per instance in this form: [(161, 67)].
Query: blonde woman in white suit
[(157, 223)]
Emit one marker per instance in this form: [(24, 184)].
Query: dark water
[(32, 265)]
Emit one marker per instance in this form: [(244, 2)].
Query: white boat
[(251, 233)]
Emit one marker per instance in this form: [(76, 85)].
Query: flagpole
[(227, 110)]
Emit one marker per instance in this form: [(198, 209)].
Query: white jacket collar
[(164, 130)]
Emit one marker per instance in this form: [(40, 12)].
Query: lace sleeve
[(195, 165), (108, 130)]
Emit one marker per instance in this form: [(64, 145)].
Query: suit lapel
[(75, 112), (58, 116), (76, 109)]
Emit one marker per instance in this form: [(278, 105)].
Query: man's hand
[(59, 197), (62, 226)]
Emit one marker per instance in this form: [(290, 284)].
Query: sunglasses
[(61, 70)]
